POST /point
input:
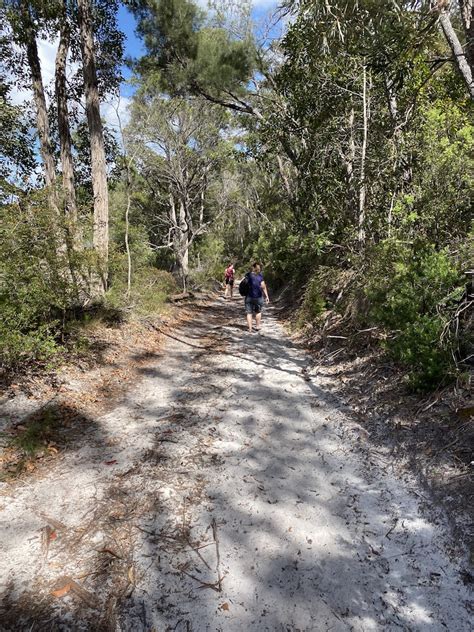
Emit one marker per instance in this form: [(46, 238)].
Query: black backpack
[(244, 285)]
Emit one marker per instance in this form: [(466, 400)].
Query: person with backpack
[(253, 287), (229, 280)]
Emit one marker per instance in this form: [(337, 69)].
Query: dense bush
[(36, 283), (208, 261), (325, 290), (412, 291), (44, 285), (150, 288)]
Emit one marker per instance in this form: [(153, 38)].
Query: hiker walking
[(229, 280), (257, 289)]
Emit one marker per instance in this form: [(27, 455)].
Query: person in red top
[(229, 280)]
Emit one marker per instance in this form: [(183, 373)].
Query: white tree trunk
[(64, 131), (98, 162), (363, 184), (183, 244), (467, 16), (348, 159), (42, 122), (459, 54)]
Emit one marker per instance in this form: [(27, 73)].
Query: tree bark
[(457, 50), (467, 16), (180, 238), (283, 175), (98, 162), (363, 184), (348, 159), (64, 131), (183, 243), (127, 229), (42, 122), (128, 173)]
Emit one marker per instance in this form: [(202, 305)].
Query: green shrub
[(412, 290), (17, 347), (288, 256), (209, 266), (36, 283), (314, 298), (313, 302), (419, 346), (149, 291)]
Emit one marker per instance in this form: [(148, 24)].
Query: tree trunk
[(127, 229), (363, 184), (459, 55), (283, 175), (42, 123), (180, 239), (183, 244), (64, 132), (348, 160), (467, 16), (98, 163)]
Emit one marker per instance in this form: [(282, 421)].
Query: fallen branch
[(213, 586), (391, 528), (110, 552), (218, 556)]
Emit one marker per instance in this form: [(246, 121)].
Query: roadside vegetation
[(335, 146)]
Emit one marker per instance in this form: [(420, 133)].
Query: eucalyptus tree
[(462, 52), (354, 76), (26, 20), (17, 159), (87, 66), (212, 54), (63, 122), (98, 162), (179, 151)]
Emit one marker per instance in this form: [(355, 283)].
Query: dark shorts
[(229, 281), (253, 305)]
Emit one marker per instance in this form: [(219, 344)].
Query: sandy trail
[(227, 491)]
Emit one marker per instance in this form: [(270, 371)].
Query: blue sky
[(133, 48), (133, 45)]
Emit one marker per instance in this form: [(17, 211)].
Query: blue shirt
[(255, 288)]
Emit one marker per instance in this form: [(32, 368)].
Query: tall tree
[(462, 58), (25, 33), (98, 161), (63, 121), (179, 153), (467, 17)]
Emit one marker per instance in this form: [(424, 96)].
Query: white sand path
[(225, 437)]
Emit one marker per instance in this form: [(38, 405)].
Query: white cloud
[(47, 54), (264, 3)]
